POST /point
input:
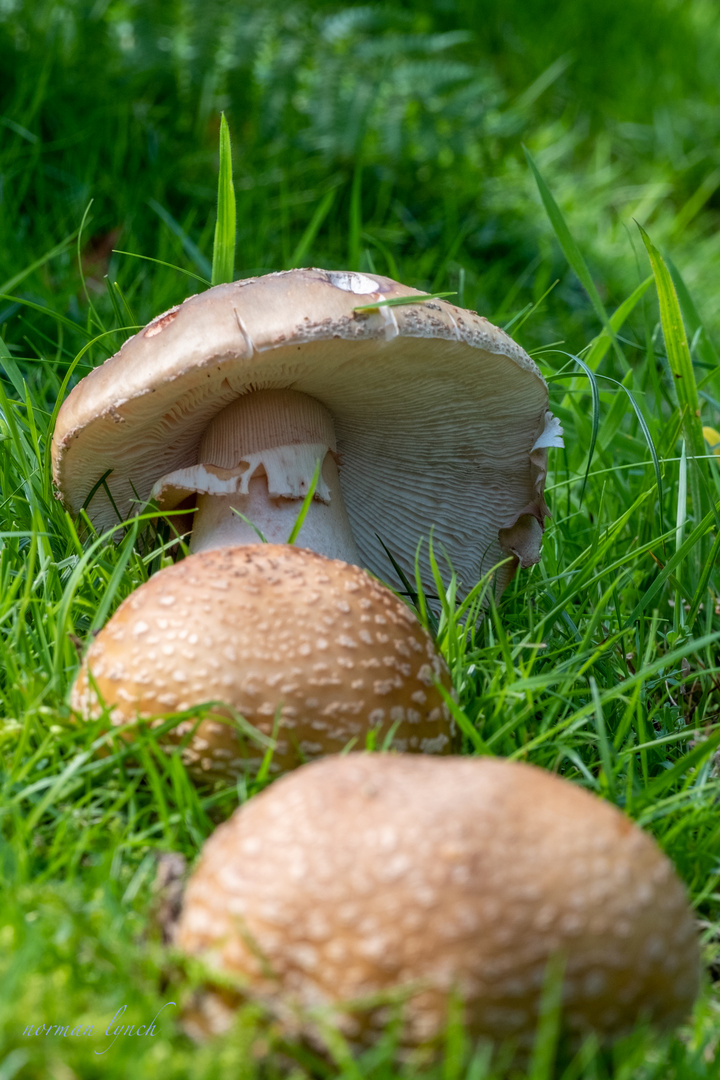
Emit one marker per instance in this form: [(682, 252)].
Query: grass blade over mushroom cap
[(359, 875), (438, 416), (306, 649)]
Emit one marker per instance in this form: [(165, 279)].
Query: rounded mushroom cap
[(440, 417), (311, 649), (362, 874)]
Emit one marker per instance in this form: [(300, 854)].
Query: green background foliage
[(506, 151)]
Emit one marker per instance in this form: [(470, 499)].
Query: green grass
[(390, 142)]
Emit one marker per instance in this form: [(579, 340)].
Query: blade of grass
[(547, 1036), (603, 341), (398, 301), (61, 319), (466, 726), (607, 773), (708, 567), (680, 522), (681, 366), (313, 228), (685, 548), (189, 246), (527, 312), (573, 254), (678, 352), (650, 443), (223, 262), (305, 504), (705, 190), (127, 550), (22, 274), (705, 348), (355, 224), (92, 313), (546, 79), (11, 370), (703, 750), (595, 412), (161, 262), (253, 526)]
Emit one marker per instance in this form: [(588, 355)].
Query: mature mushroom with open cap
[(371, 874), (421, 415), (307, 649)]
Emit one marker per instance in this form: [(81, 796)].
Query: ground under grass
[(601, 663)]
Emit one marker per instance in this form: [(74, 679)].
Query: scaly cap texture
[(312, 649), (362, 874)]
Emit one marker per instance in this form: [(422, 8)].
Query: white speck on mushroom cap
[(475, 471), (464, 874), (278, 604)]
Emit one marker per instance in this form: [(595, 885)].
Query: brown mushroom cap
[(440, 417), (361, 874), (310, 647)]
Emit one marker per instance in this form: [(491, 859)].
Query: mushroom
[(434, 417), (307, 649), (380, 877)]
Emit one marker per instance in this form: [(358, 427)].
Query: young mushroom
[(421, 878), (311, 651), (421, 415)]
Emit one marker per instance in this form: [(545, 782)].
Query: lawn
[(555, 167)]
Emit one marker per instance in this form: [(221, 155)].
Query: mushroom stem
[(326, 528), (258, 457)]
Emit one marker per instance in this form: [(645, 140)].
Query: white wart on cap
[(359, 875), (436, 418), (307, 648)]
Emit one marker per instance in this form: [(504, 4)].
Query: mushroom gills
[(256, 463)]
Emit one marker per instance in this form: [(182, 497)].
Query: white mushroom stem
[(256, 461)]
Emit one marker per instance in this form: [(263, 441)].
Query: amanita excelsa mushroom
[(435, 417), (356, 876), (309, 649)]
